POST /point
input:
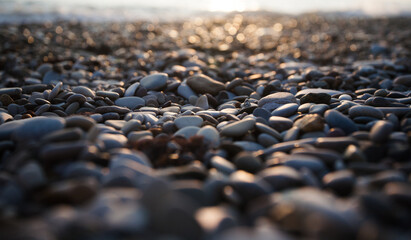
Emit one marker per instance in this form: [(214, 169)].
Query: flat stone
[(381, 131), (185, 121), (64, 135), (203, 84), (335, 119), (116, 124), (340, 182), (367, 111), (109, 94), (185, 91), (291, 134), (261, 112), (336, 143), (403, 80), (112, 141), (55, 153), (317, 90), (319, 109), (286, 110), (155, 81), (280, 123), (131, 90), (275, 100), (266, 129), (114, 109), (238, 128), (399, 111), (249, 146), (299, 161), (248, 162), (55, 91), (12, 92), (266, 140), (222, 165), (134, 136), (131, 125), (6, 129), (82, 122), (84, 90), (36, 128), (80, 98), (130, 102), (281, 177)]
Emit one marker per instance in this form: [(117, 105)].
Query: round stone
[(155, 82), (381, 131), (345, 97), (187, 132), (210, 134)]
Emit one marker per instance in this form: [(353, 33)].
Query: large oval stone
[(238, 128), (36, 128), (154, 81), (204, 84)]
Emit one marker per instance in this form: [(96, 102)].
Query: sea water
[(101, 10)]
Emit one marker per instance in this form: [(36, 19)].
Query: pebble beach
[(243, 126)]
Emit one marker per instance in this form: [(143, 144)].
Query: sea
[(28, 11)]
